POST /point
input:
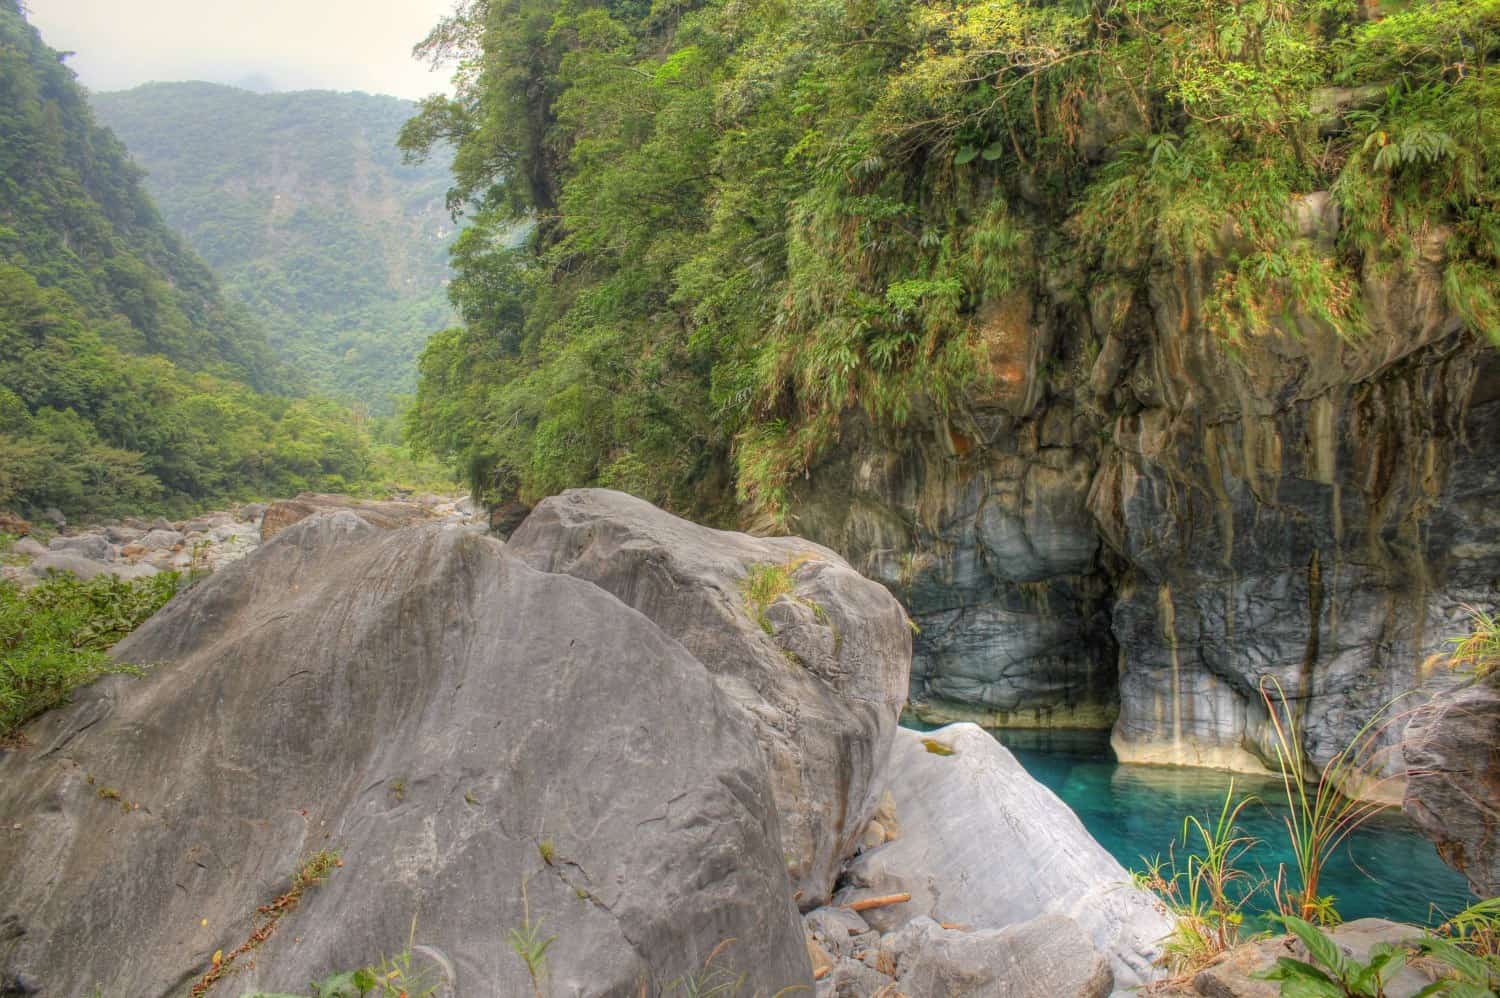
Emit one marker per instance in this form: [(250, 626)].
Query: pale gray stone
[(1048, 957), (1453, 782), (160, 539), (28, 547), (986, 846), (95, 547), (462, 727), (84, 568)]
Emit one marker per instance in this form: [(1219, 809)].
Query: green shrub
[(54, 636), (1332, 973)]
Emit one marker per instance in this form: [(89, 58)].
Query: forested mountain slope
[(757, 216), (127, 380), (73, 215), (302, 204), (1146, 349)]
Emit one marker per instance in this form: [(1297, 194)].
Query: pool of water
[(1386, 869)]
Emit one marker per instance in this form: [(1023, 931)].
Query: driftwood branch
[(865, 904)]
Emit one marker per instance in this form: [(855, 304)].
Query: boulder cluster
[(135, 548), (671, 751)]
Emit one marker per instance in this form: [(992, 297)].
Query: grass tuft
[(1208, 890), (764, 584), (1320, 815), (1478, 652)]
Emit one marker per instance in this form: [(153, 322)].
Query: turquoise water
[(1386, 869)]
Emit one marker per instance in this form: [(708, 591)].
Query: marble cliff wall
[(1138, 522)]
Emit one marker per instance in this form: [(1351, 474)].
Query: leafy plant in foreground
[(1465, 949), (394, 977), (530, 946), (1465, 974), (1333, 973)]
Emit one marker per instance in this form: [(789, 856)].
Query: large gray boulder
[(27, 547), (85, 568), (823, 669), (159, 539), (95, 547), (985, 846), (472, 735), (1452, 750)]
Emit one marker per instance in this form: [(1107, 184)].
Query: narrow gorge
[(738, 498)]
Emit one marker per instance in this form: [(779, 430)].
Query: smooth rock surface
[(27, 547), (1452, 750), (462, 728), (1048, 957), (94, 547), (986, 846), (161, 539), (824, 675)]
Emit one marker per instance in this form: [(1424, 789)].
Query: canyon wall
[(1139, 522)]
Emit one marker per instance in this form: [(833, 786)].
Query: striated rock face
[(1452, 751), (986, 847), (477, 738), (822, 669), (1137, 522)]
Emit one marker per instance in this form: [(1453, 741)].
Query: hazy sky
[(294, 44)]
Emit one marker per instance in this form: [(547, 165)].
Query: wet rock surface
[(477, 738), (1452, 750), (1137, 523)]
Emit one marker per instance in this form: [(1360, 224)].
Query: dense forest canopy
[(127, 382), (302, 204), (754, 217)]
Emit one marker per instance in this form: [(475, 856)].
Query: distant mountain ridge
[(74, 217), (128, 380), (302, 203)]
